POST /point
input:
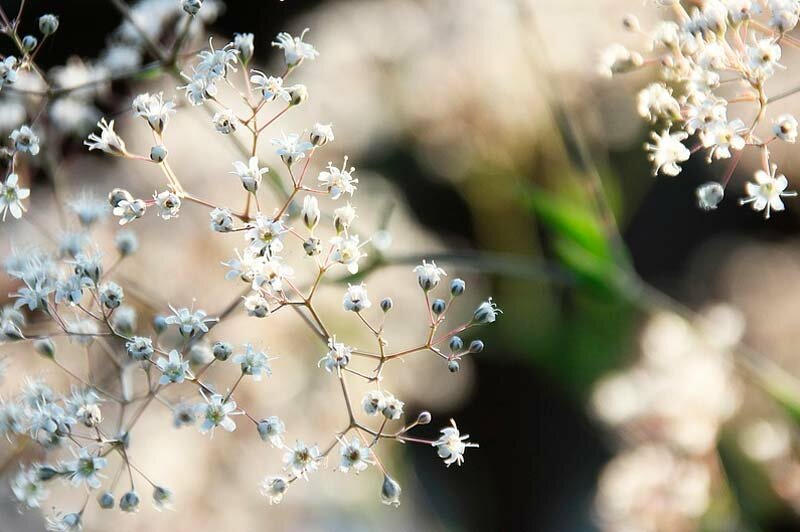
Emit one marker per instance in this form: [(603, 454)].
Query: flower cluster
[(716, 63), (72, 292)]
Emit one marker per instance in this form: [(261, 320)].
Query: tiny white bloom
[(766, 193), (451, 445), (338, 181), (11, 196), (667, 152)]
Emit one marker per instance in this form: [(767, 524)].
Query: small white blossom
[(354, 455), (174, 369), (216, 412), (294, 49), (108, 140), (428, 275), (25, 140), (302, 459), (290, 148), (451, 445), (249, 173), (667, 152), (169, 204), (785, 128), (11, 196), (338, 181), (270, 87), (355, 298), (252, 362), (338, 355), (274, 488), (766, 193)]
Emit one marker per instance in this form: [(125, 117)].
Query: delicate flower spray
[(718, 61), (88, 436)]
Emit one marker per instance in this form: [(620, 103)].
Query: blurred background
[(485, 129)]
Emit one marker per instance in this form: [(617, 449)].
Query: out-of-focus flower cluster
[(287, 251), (716, 61), (668, 408)]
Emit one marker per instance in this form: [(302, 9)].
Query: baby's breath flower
[(428, 275), (69, 522), (162, 498), (154, 109), (11, 196), (25, 140), (85, 469), (48, 24), (656, 102), (667, 151), (270, 87), (225, 122), (451, 445), (169, 204), (252, 362), (8, 71), (354, 455), (129, 211), (111, 294), (373, 402), (766, 193), (139, 347), (486, 312), (390, 491), (88, 208), (265, 234), (392, 406), (274, 488), (321, 134), (294, 49), (108, 140), (216, 412), (28, 489), (272, 430), (785, 128), (192, 7), (338, 181), (302, 459), (338, 355), (256, 305), (355, 298), (174, 369), (310, 212), (290, 148), (221, 220), (184, 414), (343, 217), (190, 323), (129, 502), (709, 195), (347, 251), (244, 43), (616, 59), (250, 173)]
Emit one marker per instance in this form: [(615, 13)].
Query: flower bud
[(438, 306), (29, 42), (225, 122), (48, 24), (124, 320), (456, 344), (343, 217), (457, 287), (386, 304), (117, 195), (390, 491), (453, 366), (297, 94), (106, 500), (631, 23), (45, 347), (90, 415), (709, 195), (159, 324), (46, 473), (129, 502), (486, 312), (158, 153), (310, 212), (424, 418), (476, 346), (785, 128), (222, 350)]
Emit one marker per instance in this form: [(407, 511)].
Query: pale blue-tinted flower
[(252, 362), (265, 234), (302, 459), (338, 181), (294, 49), (428, 275), (451, 445), (8, 71), (270, 87), (11, 196), (190, 323), (70, 290), (173, 369), (290, 148), (28, 489), (139, 347), (354, 455), (272, 430), (25, 140), (274, 488), (338, 355), (85, 469), (216, 412), (486, 312), (65, 522), (129, 502)]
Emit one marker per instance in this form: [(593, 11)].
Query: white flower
[(766, 193), (301, 460), (373, 402), (84, 469), (168, 204), (173, 369), (265, 234), (225, 121), (272, 430), (252, 362), (705, 112), (354, 455), (338, 355), (290, 148), (129, 210), (11, 196), (69, 522), (221, 220), (216, 412), (451, 445), (616, 59), (294, 49), (667, 152), (25, 140), (343, 217), (274, 488), (338, 181), (428, 275), (321, 134), (8, 71), (355, 298), (190, 323), (198, 88), (763, 57), (392, 406), (244, 43), (216, 63), (347, 251), (271, 87), (656, 101), (785, 128), (249, 173), (28, 489), (722, 137), (256, 305), (154, 109), (486, 312), (108, 141)]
